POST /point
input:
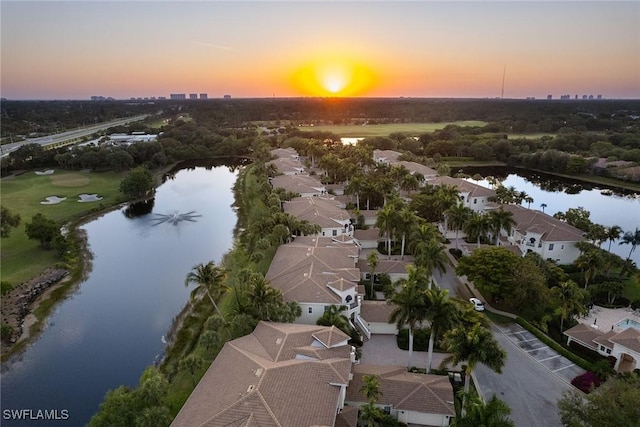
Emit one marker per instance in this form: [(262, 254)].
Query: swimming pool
[(628, 323)]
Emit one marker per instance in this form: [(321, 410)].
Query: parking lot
[(540, 352)]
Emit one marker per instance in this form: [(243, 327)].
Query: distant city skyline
[(423, 49)]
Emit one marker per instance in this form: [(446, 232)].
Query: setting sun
[(333, 78)]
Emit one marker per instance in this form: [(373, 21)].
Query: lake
[(614, 207), (112, 327)]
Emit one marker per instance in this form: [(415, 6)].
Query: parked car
[(477, 304)]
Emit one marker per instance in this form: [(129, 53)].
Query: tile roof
[(629, 338), (417, 168), (551, 229), (306, 269), (376, 311), (284, 165), (584, 333), (348, 417), (260, 380), (474, 190), (298, 184), (371, 233), (324, 212), (428, 394), (386, 155), (389, 266), (282, 153)]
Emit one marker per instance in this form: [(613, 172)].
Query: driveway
[(383, 350)]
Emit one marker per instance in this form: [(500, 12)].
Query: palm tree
[(494, 413), (409, 309), (473, 346), (372, 262), (386, 222), (570, 301), (355, 186), (333, 316), (457, 214), (446, 196), (369, 413), (441, 312), (613, 233), (477, 226), (209, 279), (631, 238), (431, 256), (529, 200), (543, 205), (422, 233), (501, 220), (371, 388), (263, 299), (590, 263), (406, 221)]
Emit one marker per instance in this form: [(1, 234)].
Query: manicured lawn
[(22, 258), (413, 129)]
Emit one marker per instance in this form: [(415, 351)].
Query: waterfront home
[(543, 234), (306, 186), (316, 273), (285, 153), (621, 344), (279, 375), (414, 399), (287, 166), (385, 156), (325, 212), (473, 196)]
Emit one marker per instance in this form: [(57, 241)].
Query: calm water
[(111, 328), (621, 208)]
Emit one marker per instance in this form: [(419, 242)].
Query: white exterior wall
[(382, 328), (562, 252), (422, 419), (306, 318)]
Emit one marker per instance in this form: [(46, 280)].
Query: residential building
[(280, 375), (623, 345), (414, 399), (306, 186), (385, 156), (324, 212), (375, 315), (204, 96), (316, 273), (285, 153), (177, 96), (193, 96), (473, 196), (543, 234), (288, 166)]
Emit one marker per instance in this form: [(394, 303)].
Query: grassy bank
[(413, 129), (23, 259)]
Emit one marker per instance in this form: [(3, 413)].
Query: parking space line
[(532, 339), (564, 367), (549, 358), (534, 349)]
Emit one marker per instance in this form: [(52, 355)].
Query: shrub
[(457, 253), (6, 331), (586, 382), (635, 304), (5, 287)]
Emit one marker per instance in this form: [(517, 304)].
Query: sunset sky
[(123, 49)]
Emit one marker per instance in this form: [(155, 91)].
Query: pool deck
[(605, 319)]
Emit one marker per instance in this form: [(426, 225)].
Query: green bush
[(420, 339), (6, 331), (5, 287)]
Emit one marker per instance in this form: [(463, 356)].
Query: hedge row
[(554, 345)]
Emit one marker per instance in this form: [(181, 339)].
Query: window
[(323, 234), (550, 246), (475, 201), (608, 351), (310, 310), (334, 232), (561, 246), (326, 308), (601, 348), (348, 298)]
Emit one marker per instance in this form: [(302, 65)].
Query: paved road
[(534, 376), (69, 135), (530, 389)]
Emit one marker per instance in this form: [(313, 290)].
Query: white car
[(477, 304)]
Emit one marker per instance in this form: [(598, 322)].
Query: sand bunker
[(88, 198), (47, 172), (53, 200)]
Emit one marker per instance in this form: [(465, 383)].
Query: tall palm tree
[(441, 312), (406, 221), (590, 263), (263, 299), (501, 220), (355, 186), (446, 196), (422, 233), (386, 222), (209, 279), (408, 310), (631, 238), (543, 205), (430, 256), (457, 214), (613, 233), (570, 300), (493, 413), (477, 226), (529, 200), (369, 413), (473, 346)]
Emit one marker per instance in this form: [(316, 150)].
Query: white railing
[(363, 326)]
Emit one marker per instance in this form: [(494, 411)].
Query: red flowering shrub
[(586, 382)]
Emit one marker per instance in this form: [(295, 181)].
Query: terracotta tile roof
[(552, 229), (298, 184), (348, 417), (324, 212), (368, 213), (474, 190), (371, 233), (428, 394), (629, 338), (414, 167), (604, 339), (284, 152), (376, 311), (385, 265), (261, 380), (585, 334), (388, 156), (306, 269), (284, 165)]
